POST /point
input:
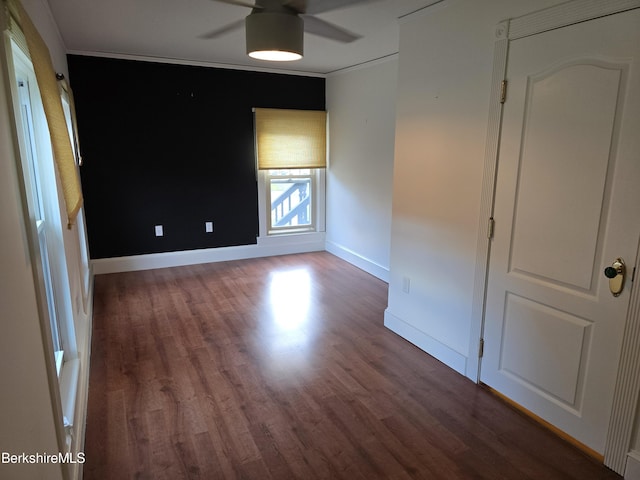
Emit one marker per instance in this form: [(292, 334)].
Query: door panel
[(544, 349), (567, 203), (568, 126)]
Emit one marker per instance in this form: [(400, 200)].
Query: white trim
[(486, 200), (565, 14), (632, 470), (78, 431), (313, 183), (627, 389), (434, 6), (320, 208), (318, 202), (360, 261), (69, 390), (196, 63), (265, 247), (433, 347), (367, 64)]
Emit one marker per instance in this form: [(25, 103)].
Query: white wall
[(42, 18), (361, 106), (445, 67)]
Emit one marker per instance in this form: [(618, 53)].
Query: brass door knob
[(610, 272), (616, 273)]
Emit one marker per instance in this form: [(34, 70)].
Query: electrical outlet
[(208, 227), (159, 231), (406, 284)]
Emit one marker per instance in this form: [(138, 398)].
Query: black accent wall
[(173, 145)]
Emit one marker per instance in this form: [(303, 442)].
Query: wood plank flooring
[(281, 368)]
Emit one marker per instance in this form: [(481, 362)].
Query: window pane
[(48, 285), (290, 201), (28, 132), (36, 189)]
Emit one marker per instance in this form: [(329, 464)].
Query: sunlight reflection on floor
[(289, 339), (290, 297)]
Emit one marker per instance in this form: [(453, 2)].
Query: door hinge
[(490, 228), (481, 348), (633, 274), (503, 91)]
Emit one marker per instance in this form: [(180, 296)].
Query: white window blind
[(291, 138)]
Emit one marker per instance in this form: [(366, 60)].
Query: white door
[(567, 205)]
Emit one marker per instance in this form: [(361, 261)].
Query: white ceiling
[(169, 29)]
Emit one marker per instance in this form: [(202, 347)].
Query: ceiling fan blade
[(313, 7), (240, 3), (299, 6), (223, 30), (325, 29)]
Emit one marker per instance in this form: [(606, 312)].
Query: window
[(40, 193), (36, 191), (291, 156), (47, 225), (291, 200), (44, 159)]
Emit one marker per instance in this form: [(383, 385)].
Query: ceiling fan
[(274, 28)]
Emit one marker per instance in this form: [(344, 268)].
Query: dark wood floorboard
[(281, 368)]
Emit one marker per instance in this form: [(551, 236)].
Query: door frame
[(627, 390)]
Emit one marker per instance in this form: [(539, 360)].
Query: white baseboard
[(82, 399), (266, 247), (433, 347), (632, 471), (358, 260)]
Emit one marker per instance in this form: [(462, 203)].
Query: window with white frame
[(36, 191), (291, 157), (41, 130), (291, 197), (41, 192)]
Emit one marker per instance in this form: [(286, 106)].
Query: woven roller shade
[(47, 84), (291, 138)]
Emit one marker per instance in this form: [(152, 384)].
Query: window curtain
[(290, 138), (47, 84)]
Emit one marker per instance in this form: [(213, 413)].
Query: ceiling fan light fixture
[(275, 55), (274, 36)]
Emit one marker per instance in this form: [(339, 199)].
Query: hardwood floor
[(281, 368)]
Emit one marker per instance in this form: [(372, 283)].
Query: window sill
[(290, 231), (310, 240)]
